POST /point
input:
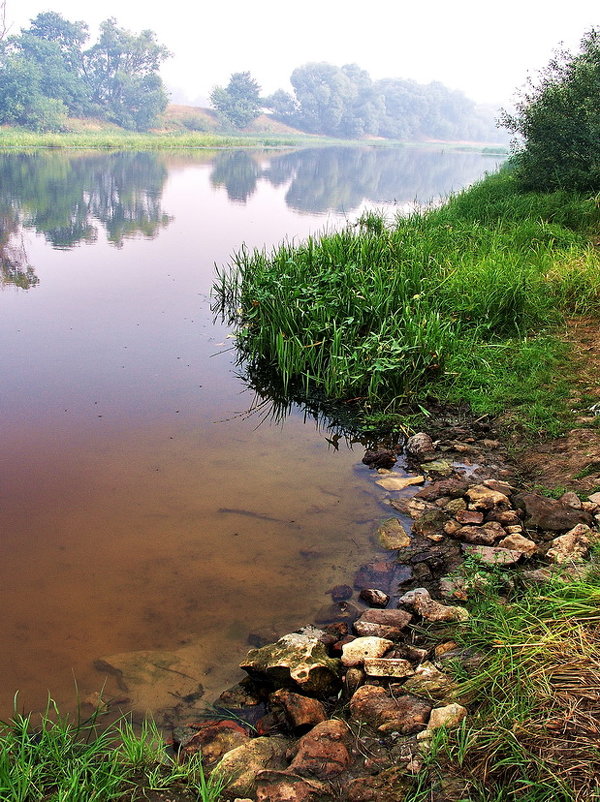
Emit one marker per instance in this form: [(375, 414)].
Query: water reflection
[(340, 179)]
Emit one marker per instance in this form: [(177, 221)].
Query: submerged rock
[(399, 482), (392, 535), (374, 597), (380, 458), (298, 659)]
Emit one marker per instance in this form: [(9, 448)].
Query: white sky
[(486, 49)]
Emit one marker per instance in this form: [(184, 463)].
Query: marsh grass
[(441, 303), (535, 696), (63, 760)]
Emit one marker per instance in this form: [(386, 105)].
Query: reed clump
[(440, 303)]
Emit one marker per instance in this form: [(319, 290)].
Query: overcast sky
[(486, 49)]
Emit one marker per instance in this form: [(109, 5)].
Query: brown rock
[(492, 555), (382, 623), (572, 547), (430, 523), (484, 498), (377, 708), (413, 507), (449, 716), (392, 535), (466, 517), (380, 458), (430, 682), (244, 763), (571, 500), (517, 542), (420, 446), (453, 487), (374, 597), (547, 513), (284, 786), (396, 482), (504, 517), (388, 667), (452, 527), (499, 486), (421, 602), (299, 713), (390, 785), (322, 752), (456, 505), (361, 649), (485, 535), (383, 575), (214, 739)]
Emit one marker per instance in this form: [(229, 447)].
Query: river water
[(153, 519)]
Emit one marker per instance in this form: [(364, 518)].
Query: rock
[(443, 467), (397, 668), (353, 679), (322, 752), (517, 542), (242, 694), (336, 612), (547, 513), (298, 659), (377, 708), (384, 575), (430, 523), (392, 535), (484, 498), (485, 535), (492, 555), (421, 602), (299, 713), (504, 517), (420, 446), (361, 649), (452, 527), (244, 763), (284, 786), (466, 517), (399, 482), (572, 547), (456, 505), (449, 716), (571, 500), (453, 588), (390, 785), (430, 682), (406, 651), (442, 648), (380, 458), (213, 739), (499, 486), (491, 444), (382, 623), (411, 506), (374, 597), (594, 498), (517, 529), (454, 488), (340, 593)]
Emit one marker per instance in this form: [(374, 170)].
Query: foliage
[(558, 118), (239, 102), (438, 304), (45, 73)]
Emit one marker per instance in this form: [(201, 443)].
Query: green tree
[(22, 101), (122, 71), (558, 121), (239, 102)]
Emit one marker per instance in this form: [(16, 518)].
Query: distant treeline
[(346, 102)]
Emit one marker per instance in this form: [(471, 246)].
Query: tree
[(121, 70), (283, 105), (239, 102), (22, 101), (558, 119)]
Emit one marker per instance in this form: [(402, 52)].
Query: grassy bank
[(456, 304)]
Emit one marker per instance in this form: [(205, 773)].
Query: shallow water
[(143, 509)]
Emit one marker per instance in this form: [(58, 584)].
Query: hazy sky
[(486, 49)]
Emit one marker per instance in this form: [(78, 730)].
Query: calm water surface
[(148, 524)]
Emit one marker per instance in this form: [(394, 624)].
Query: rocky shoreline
[(346, 708)]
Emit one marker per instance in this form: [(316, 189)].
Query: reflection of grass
[(76, 762), (535, 696), (452, 303)]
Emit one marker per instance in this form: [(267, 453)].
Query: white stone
[(357, 651)]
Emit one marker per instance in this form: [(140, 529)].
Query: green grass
[(60, 760), (459, 303)]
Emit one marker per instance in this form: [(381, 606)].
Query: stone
[(382, 623), (571, 547), (377, 708), (443, 467), (413, 507), (504, 517), (392, 535), (491, 444), (456, 505), (517, 542), (448, 716), (380, 458), (454, 588), (466, 517), (361, 649), (213, 738), (571, 500), (594, 498), (420, 446), (337, 612), (442, 648), (421, 602), (383, 575), (246, 761), (499, 486), (374, 597), (406, 651), (322, 752), (396, 668), (517, 529), (484, 498), (454, 488), (492, 555), (300, 713), (298, 659), (390, 785), (430, 682), (452, 527), (284, 786), (399, 482), (549, 514), (340, 593), (353, 679), (430, 523), (485, 535)]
